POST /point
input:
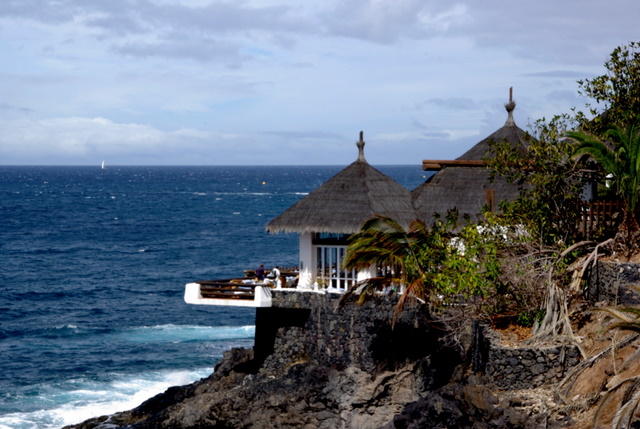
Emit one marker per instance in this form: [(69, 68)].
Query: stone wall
[(614, 283), (520, 367), (348, 335), (303, 326)]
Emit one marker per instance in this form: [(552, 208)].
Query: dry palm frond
[(629, 318), (565, 385), (625, 415), (629, 402), (556, 321)]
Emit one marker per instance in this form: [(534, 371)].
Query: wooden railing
[(283, 271), (600, 216), (226, 289), (241, 288)]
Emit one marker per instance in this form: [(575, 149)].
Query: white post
[(307, 260), (192, 293), (366, 274)]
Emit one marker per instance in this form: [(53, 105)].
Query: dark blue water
[(93, 265)]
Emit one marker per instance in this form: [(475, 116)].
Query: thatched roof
[(345, 201), (466, 187)]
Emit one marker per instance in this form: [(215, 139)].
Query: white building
[(330, 214)]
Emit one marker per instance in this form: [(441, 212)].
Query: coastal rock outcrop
[(320, 365), (316, 365)]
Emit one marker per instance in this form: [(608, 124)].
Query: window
[(329, 273)]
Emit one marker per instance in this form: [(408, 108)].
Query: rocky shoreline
[(319, 365), (308, 395)]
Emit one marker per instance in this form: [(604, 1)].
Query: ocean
[(93, 265)]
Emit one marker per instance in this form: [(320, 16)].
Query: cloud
[(305, 135), (174, 46), (571, 74), (452, 103), (11, 108), (78, 138), (224, 81), (203, 32), (551, 31), (385, 21)]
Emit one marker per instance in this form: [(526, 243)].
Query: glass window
[(329, 273)]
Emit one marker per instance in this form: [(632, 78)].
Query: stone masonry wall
[(520, 367), (614, 283), (361, 336), (351, 334)]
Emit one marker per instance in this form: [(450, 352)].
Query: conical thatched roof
[(345, 201), (464, 183)]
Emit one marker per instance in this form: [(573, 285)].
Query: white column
[(307, 261), (366, 274)]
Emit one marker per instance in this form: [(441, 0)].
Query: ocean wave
[(57, 405), (145, 334), (187, 333), (54, 332)]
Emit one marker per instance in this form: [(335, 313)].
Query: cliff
[(317, 365)]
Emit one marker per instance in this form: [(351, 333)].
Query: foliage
[(523, 278), (475, 270), (621, 160), (545, 161), (617, 92), (618, 153), (551, 181), (428, 262), (530, 318)]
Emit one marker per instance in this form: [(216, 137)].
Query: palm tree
[(618, 152), (425, 262), (384, 243)]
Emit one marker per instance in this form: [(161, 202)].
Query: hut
[(463, 184), (331, 213)]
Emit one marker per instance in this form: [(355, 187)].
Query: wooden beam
[(436, 164)]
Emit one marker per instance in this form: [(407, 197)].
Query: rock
[(373, 376)]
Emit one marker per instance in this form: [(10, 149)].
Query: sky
[(288, 82)]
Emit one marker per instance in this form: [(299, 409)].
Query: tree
[(428, 263), (617, 92), (618, 153), (555, 180), (551, 182)]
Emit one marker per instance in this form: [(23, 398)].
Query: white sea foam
[(183, 333), (86, 399)]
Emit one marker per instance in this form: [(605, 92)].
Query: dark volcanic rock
[(335, 367)]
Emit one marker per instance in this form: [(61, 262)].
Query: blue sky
[(208, 82)]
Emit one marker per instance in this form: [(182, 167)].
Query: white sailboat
[(103, 165)]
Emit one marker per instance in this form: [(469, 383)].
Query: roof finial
[(360, 144), (510, 106)]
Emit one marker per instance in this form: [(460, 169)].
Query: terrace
[(245, 291)]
